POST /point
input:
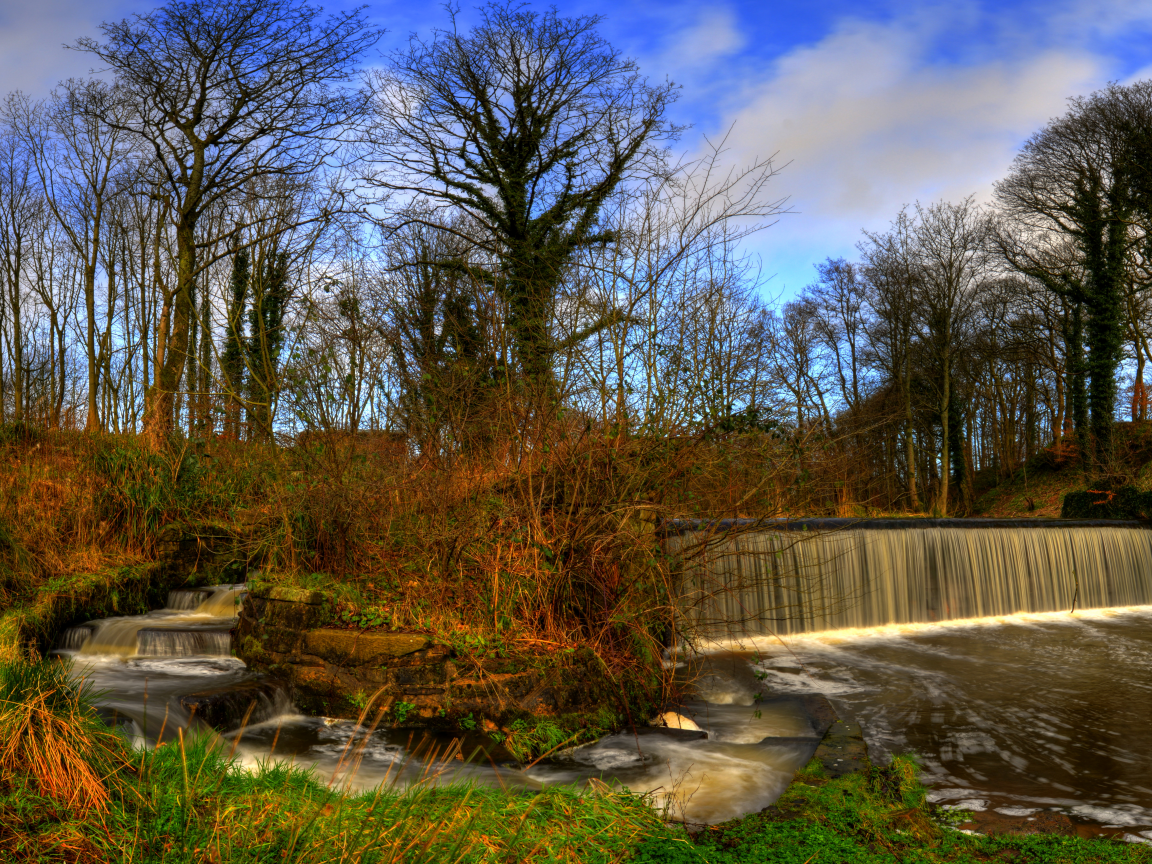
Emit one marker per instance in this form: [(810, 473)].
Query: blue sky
[(872, 105)]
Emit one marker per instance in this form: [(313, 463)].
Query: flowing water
[(142, 669), (958, 643), (1014, 714), (940, 640), (773, 582)]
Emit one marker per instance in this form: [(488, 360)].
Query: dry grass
[(51, 739)]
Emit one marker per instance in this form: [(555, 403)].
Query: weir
[(758, 579), (186, 600), (195, 622)]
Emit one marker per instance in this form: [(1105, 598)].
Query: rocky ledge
[(286, 633)]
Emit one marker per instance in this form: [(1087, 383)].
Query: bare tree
[(839, 293), (20, 202), (77, 157), (222, 93), (952, 263), (528, 124), (893, 283)]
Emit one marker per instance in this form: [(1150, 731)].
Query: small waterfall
[(764, 582), (223, 602), (73, 638), (183, 643), (182, 629), (115, 636), (186, 600)]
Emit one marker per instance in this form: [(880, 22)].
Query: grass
[(71, 790), (876, 817)]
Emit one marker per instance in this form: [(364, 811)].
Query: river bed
[(137, 668), (1016, 714)]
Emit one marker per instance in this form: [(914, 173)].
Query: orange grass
[(53, 741)]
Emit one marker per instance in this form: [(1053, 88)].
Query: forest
[(439, 385), (230, 234)]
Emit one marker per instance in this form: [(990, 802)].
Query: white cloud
[(871, 118), (711, 35), (868, 123), (33, 35)]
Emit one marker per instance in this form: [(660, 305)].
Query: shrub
[(1125, 502)]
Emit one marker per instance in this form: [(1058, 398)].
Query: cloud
[(876, 115), (712, 34), (868, 122), (33, 35)]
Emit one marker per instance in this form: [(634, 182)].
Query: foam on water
[(172, 653), (1023, 711)]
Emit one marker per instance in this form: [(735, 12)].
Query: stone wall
[(333, 671)]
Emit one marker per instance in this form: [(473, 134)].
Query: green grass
[(188, 803), (875, 817)]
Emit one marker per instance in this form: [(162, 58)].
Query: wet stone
[(842, 750), (224, 708)]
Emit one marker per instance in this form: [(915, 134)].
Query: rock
[(676, 721), (358, 649), (842, 750), (224, 708), (296, 595)]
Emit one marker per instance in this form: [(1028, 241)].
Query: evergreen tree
[(232, 360), (266, 339)]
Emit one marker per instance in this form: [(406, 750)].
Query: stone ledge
[(356, 648), (293, 595), (843, 750)]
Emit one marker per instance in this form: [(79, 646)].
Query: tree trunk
[(909, 445), (175, 320), (945, 437), (17, 343)]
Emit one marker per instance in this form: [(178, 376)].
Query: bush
[(53, 740), (1125, 502), (139, 491)]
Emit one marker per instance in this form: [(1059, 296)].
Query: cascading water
[(958, 644), (207, 625), (186, 600), (146, 672), (774, 582), (183, 643)]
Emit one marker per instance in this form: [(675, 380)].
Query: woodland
[(233, 234), (455, 334)]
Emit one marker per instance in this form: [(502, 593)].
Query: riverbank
[(73, 790)]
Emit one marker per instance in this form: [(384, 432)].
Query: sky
[(866, 106)]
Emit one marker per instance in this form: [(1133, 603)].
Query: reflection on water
[(1014, 713), (139, 667), (696, 780)]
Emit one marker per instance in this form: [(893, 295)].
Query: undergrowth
[(544, 543), (71, 790), (877, 816)]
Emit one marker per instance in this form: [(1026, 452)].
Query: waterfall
[(755, 581), (186, 600), (73, 638), (223, 602), (183, 643), (184, 628)]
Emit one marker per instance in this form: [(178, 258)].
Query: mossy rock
[(1125, 502)]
